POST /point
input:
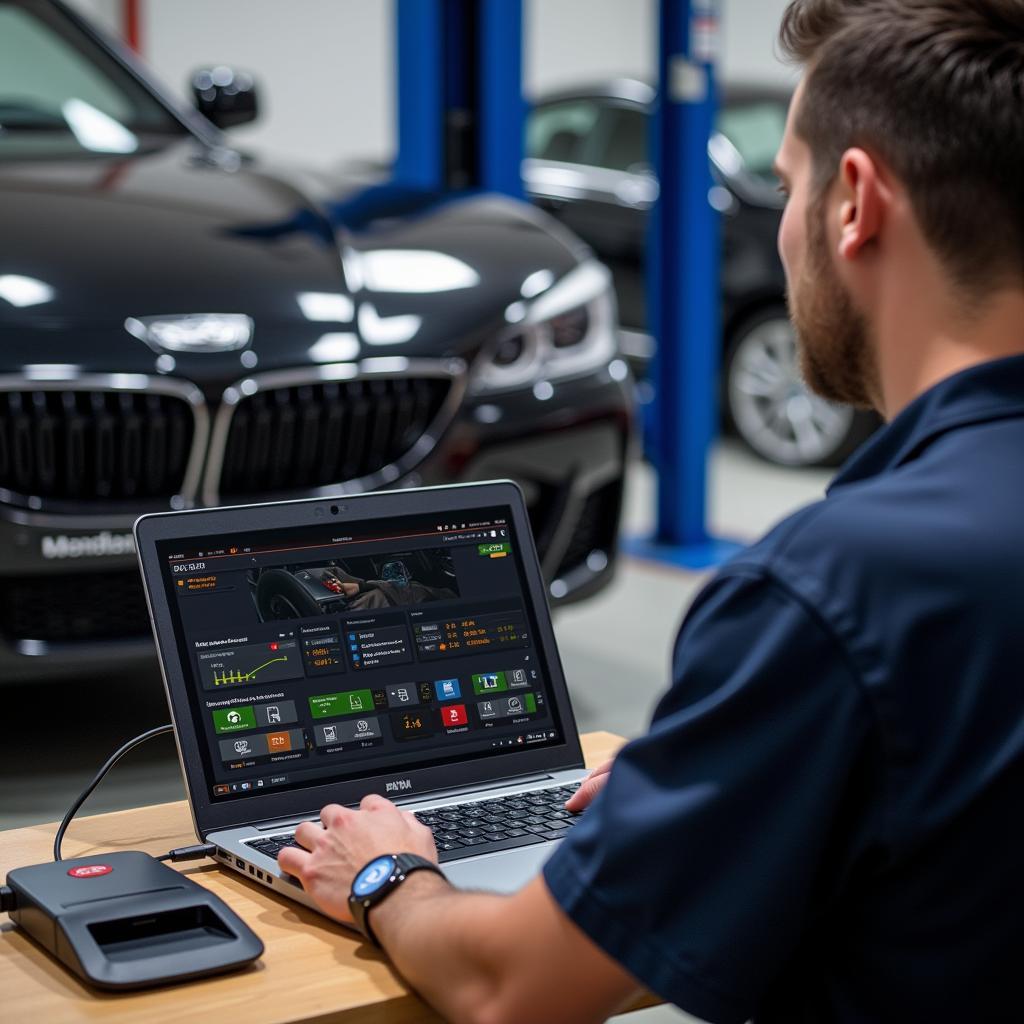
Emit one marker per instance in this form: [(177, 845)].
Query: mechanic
[(823, 822)]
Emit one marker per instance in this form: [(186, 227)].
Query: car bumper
[(70, 592)]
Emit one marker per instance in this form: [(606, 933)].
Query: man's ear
[(864, 200)]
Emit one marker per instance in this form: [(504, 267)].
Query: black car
[(182, 325), (588, 165)]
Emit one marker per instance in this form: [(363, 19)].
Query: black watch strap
[(405, 865)]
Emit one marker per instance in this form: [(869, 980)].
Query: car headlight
[(568, 330)]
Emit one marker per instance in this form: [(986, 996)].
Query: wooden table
[(313, 970)]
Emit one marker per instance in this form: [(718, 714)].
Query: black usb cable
[(7, 901), (180, 854)]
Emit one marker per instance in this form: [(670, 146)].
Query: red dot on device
[(90, 870)]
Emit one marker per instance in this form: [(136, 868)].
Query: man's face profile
[(833, 340)]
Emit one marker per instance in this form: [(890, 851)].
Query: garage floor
[(615, 649)]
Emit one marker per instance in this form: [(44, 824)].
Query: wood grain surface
[(313, 970)]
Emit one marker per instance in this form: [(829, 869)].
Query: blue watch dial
[(373, 876)]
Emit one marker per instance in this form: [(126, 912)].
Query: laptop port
[(252, 870), (259, 874), (239, 863)]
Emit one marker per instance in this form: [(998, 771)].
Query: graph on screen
[(250, 664)]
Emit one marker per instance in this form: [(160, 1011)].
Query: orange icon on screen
[(277, 741), (442, 647)]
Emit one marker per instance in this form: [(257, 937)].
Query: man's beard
[(833, 340)]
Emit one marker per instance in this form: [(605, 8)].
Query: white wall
[(569, 41), (566, 42), (326, 67), (749, 50)]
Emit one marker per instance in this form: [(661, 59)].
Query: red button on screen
[(454, 714)]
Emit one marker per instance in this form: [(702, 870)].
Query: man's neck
[(921, 344)]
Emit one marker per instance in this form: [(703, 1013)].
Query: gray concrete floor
[(615, 649)]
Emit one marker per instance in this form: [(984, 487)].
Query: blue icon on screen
[(447, 689)]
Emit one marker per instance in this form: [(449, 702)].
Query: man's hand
[(592, 785), (347, 842)]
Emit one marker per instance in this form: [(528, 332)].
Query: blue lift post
[(461, 112), (683, 286), (461, 116)]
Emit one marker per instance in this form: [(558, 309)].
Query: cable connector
[(189, 853), (8, 901)]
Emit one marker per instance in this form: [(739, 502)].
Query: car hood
[(174, 231)]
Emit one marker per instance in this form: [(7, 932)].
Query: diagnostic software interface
[(326, 652)]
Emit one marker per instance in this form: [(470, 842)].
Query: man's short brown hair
[(935, 89)]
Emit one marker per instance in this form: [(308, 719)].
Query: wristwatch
[(383, 875)]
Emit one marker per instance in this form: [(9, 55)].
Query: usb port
[(259, 874)]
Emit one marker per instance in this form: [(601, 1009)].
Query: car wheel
[(771, 408)]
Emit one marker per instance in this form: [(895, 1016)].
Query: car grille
[(74, 607), (93, 445), (316, 435)]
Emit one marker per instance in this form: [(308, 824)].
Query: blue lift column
[(683, 285), (461, 112)]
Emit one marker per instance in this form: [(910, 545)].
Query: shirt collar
[(990, 391)]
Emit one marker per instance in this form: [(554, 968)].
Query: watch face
[(373, 876)]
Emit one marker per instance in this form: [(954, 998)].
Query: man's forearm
[(479, 957), (441, 941)]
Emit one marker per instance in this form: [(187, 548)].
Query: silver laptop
[(396, 643)]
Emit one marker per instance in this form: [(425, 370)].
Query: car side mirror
[(225, 96)]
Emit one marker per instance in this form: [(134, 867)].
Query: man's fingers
[(294, 861), (374, 802), (584, 796), (333, 815), (307, 834)]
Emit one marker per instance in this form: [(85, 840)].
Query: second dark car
[(588, 165)]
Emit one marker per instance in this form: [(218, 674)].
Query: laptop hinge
[(437, 794)]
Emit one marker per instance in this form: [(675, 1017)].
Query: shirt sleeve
[(700, 862)]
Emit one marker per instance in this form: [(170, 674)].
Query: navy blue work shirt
[(824, 821)]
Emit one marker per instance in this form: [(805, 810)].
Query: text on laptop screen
[(340, 650)]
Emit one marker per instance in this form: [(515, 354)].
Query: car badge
[(192, 332)]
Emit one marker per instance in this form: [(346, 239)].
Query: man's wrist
[(419, 886)]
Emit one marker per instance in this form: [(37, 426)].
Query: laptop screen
[(323, 653)]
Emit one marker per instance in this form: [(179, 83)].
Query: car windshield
[(61, 94), (756, 130), (608, 133)]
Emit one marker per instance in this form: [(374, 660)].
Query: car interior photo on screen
[(186, 324), (409, 577)]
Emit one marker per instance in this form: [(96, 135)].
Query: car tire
[(771, 409)]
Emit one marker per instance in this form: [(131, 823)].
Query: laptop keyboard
[(503, 823), (484, 826)]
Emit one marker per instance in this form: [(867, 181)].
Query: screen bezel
[(458, 499)]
